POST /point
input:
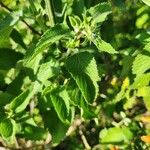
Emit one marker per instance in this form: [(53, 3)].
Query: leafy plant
[(74, 69)]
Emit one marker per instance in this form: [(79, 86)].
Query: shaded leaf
[(61, 102), (141, 64), (56, 127), (7, 128), (31, 132), (100, 12), (82, 66), (9, 58), (17, 37)]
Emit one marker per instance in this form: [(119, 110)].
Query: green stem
[(50, 12)]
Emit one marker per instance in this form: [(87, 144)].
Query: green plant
[(66, 63)]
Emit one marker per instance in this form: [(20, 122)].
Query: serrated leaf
[(100, 12), (104, 46), (115, 135), (74, 93), (147, 2), (60, 100), (48, 70), (141, 81), (51, 36), (19, 103), (141, 64), (82, 66), (7, 128)]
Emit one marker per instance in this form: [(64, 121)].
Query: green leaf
[(20, 102), (104, 46), (147, 2), (141, 64), (7, 128), (34, 63), (147, 102), (74, 93), (100, 12), (5, 98), (17, 37), (145, 93), (115, 135), (61, 102), (56, 127), (147, 47), (31, 132), (48, 70), (8, 58), (75, 22), (130, 102), (6, 26), (51, 36), (141, 81), (87, 111), (82, 66), (127, 62), (2, 114)]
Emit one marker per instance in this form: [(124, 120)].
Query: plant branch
[(30, 27), (84, 140)]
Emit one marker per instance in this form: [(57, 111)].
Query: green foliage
[(6, 26), (7, 128), (147, 2), (83, 69), (74, 74), (116, 135), (100, 12), (49, 37), (19, 103)]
